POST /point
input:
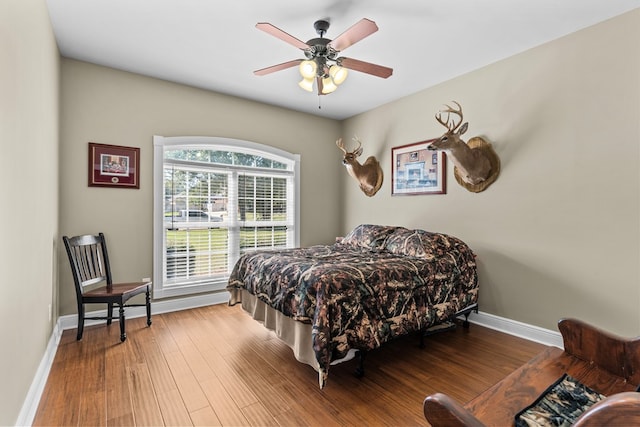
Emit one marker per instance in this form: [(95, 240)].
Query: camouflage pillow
[(439, 244), (368, 236), (406, 242)]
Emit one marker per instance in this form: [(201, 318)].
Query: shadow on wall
[(528, 121), (514, 289), (384, 147)]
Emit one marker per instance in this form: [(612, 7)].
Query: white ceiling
[(214, 45)]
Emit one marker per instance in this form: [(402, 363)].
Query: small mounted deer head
[(474, 165), (368, 174)]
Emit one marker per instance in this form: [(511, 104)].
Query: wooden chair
[(605, 363), (90, 266)]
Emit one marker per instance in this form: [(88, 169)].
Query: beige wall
[(113, 107), (29, 84), (558, 233)]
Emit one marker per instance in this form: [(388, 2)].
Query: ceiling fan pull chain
[(319, 106)]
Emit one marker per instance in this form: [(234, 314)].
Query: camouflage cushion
[(560, 405), (368, 236)]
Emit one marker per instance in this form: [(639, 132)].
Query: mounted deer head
[(368, 174), (474, 165)]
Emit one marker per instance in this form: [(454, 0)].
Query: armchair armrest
[(442, 411), (618, 409)]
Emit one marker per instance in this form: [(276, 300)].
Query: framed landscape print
[(113, 166), (418, 170)]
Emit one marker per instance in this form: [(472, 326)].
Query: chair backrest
[(89, 260)]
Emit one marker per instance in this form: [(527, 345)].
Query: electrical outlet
[(146, 279), (50, 313)]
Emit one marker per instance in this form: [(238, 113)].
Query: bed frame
[(446, 325), (604, 362)]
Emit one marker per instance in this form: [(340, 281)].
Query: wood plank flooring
[(216, 366)]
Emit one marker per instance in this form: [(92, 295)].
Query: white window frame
[(160, 145)]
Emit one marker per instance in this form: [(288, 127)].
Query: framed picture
[(417, 170), (113, 166)]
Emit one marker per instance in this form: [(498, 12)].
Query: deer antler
[(357, 151), (340, 145), (450, 124), (356, 139)]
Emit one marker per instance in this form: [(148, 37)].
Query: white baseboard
[(70, 321), (518, 329), (31, 402), (30, 406)]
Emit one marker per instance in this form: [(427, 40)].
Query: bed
[(375, 284)]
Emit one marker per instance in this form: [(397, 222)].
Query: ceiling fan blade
[(274, 68), (277, 32), (366, 67), (361, 29)]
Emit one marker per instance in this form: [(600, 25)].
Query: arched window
[(215, 199)]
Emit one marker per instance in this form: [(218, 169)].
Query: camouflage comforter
[(376, 284)]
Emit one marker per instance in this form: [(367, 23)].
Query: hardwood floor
[(217, 366)]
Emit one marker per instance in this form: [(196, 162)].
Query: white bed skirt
[(295, 334)]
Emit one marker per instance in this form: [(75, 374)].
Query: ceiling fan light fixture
[(306, 84), (338, 74), (322, 63), (328, 85), (308, 69)]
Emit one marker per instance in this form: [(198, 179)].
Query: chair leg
[(123, 335), (148, 302), (80, 322), (109, 313)]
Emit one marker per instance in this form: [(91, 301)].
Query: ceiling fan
[(323, 63)]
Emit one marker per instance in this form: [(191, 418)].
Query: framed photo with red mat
[(114, 166)]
